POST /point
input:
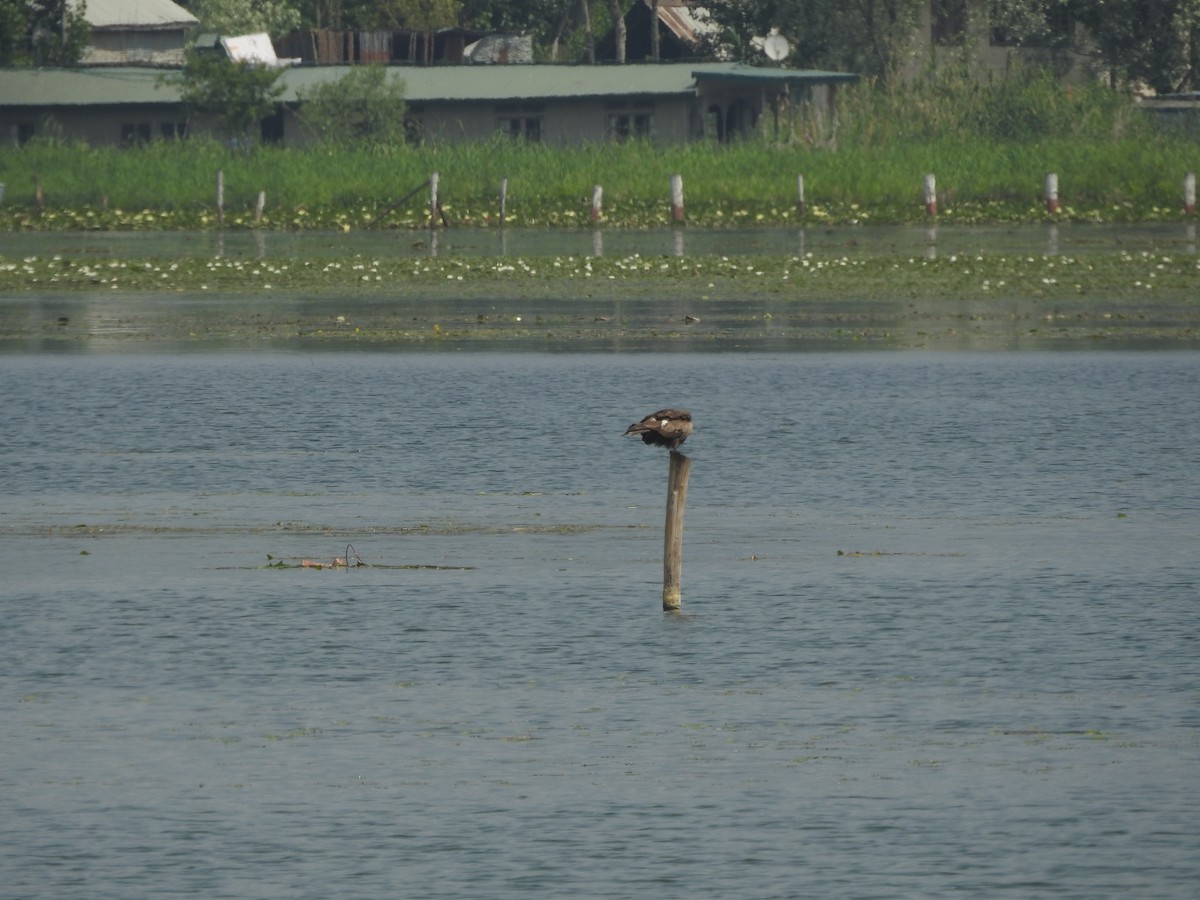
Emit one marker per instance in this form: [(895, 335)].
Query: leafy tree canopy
[(366, 105), (42, 32), (237, 94)]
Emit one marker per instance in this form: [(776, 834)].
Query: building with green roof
[(558, 105)]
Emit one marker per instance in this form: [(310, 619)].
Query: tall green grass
[(988, 142)]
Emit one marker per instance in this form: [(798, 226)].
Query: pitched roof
[(136, 15), (103, 86)]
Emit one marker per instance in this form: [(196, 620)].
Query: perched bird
[(665, 428)]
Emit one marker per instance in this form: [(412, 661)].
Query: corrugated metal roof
[(136, 14), (82, 87)]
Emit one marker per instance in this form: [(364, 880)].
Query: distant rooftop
[(136, 14), (104, 86)]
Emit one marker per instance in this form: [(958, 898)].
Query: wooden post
[(259, 206), (38, 197), (1189, 193), (503, 199), (800, 196), (433, 200), (677, 484), (220, 196), (677, 198), (1051, 193), (597, 201), (930, 195)]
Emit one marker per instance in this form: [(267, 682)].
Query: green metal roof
[(83, 87), (106, 86), (752, 74)]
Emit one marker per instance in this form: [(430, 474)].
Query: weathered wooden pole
[(677, 198), (503, 199), (677, 484), (1051, 192), (597, 202), (259, 206), (930, 195), (220, 196), (1189, 193), (800, 196)]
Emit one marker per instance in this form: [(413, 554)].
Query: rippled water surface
[(939, 633)]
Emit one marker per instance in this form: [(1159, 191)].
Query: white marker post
[(677, 198), (220, 196), (434, 205), (930, 195), (597, 202), (1052, 193)]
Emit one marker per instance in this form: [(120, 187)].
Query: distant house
[(136, 32), (679, 30), (951, 30), (558, 105)]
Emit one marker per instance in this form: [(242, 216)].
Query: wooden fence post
[(677, 484), (503, 199), (677, 198), (800, 196), (259, 206), (1189, 193), (930, 195)]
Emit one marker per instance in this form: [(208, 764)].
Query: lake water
[(939, 628), (838, 240)]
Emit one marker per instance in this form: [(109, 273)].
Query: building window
[(133, 133), (172, 130), (23, 133), (949, 22), (623, 126), (527, 127), (520, 120), (630, 118)]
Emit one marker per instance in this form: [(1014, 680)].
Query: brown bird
[(665, 428)]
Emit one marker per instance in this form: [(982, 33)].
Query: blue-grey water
[(939, 629)]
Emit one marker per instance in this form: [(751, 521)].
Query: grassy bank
[(989, 146), (171, 185)]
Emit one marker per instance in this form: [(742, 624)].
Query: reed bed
[(989, 144)]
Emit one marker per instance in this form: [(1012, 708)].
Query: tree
[(42, 32), (238, 94), (1153, 41), (366, 105), (234, 17), (866, 36)]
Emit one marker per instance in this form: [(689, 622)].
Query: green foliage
[(867, 36), (234, 17), (1155, 41), (42, 32), (237, 94), (953, 103), (364, 106)]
